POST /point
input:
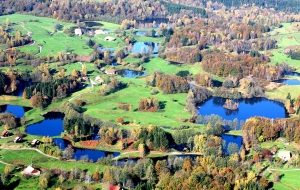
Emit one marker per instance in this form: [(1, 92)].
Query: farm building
[(18, 139), (5, 133), (30, 171), (35, 142), (78, 32), (284, 155)]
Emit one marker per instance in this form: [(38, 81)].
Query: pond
[(238, 140), (92, 24), (80, 153), (247, 108), (140, 33), (149, 22), (17, 111), (145, 47), (51, 126), (130, 73), (290, 82), (145, 33)]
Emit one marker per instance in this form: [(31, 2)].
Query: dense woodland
[(284, 5), (225, 65), (258, 130)]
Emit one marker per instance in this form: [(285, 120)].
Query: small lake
[(17, 111), (149, 22), (145, 47), (51, 126), (131, 73), (238, 140), (80, 153), (290, 82), (247, 108), (140, 33), (145, 33)]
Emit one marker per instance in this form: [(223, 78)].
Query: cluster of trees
[(47, 147), (9, 82), (203, 80), (113, 86), (42, 93), (8, 121), (225, 65), (13, 40), (207, 172), (196, 96), (175, 8), (227, 93), (154, 138), (293, 105), (258, 130), (76, 124), (110, 135), (149, 105), (293, 52), (285, 5), (88, 10), (183, 55), (215, 119), (170, 84)]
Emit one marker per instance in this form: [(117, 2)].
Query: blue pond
[(145, 47), (17, 111), (130, 73), (238, 140), (247, 108), (290, 82), (80, 153), (51, 126), (140, 33)]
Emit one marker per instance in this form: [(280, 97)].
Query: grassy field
[(282, 92), (105, 107), (53, 42), (289, 181), (14, 101), (158, 64), (286, 36), (92, 70), (27, 157)]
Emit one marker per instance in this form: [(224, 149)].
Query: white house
[(18, 139), (31, 171), (284, 155), (78, 32)]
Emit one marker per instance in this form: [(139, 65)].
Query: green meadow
[(106, 107), (52, 41), (26, 157), (286, 36), (289, 181)]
